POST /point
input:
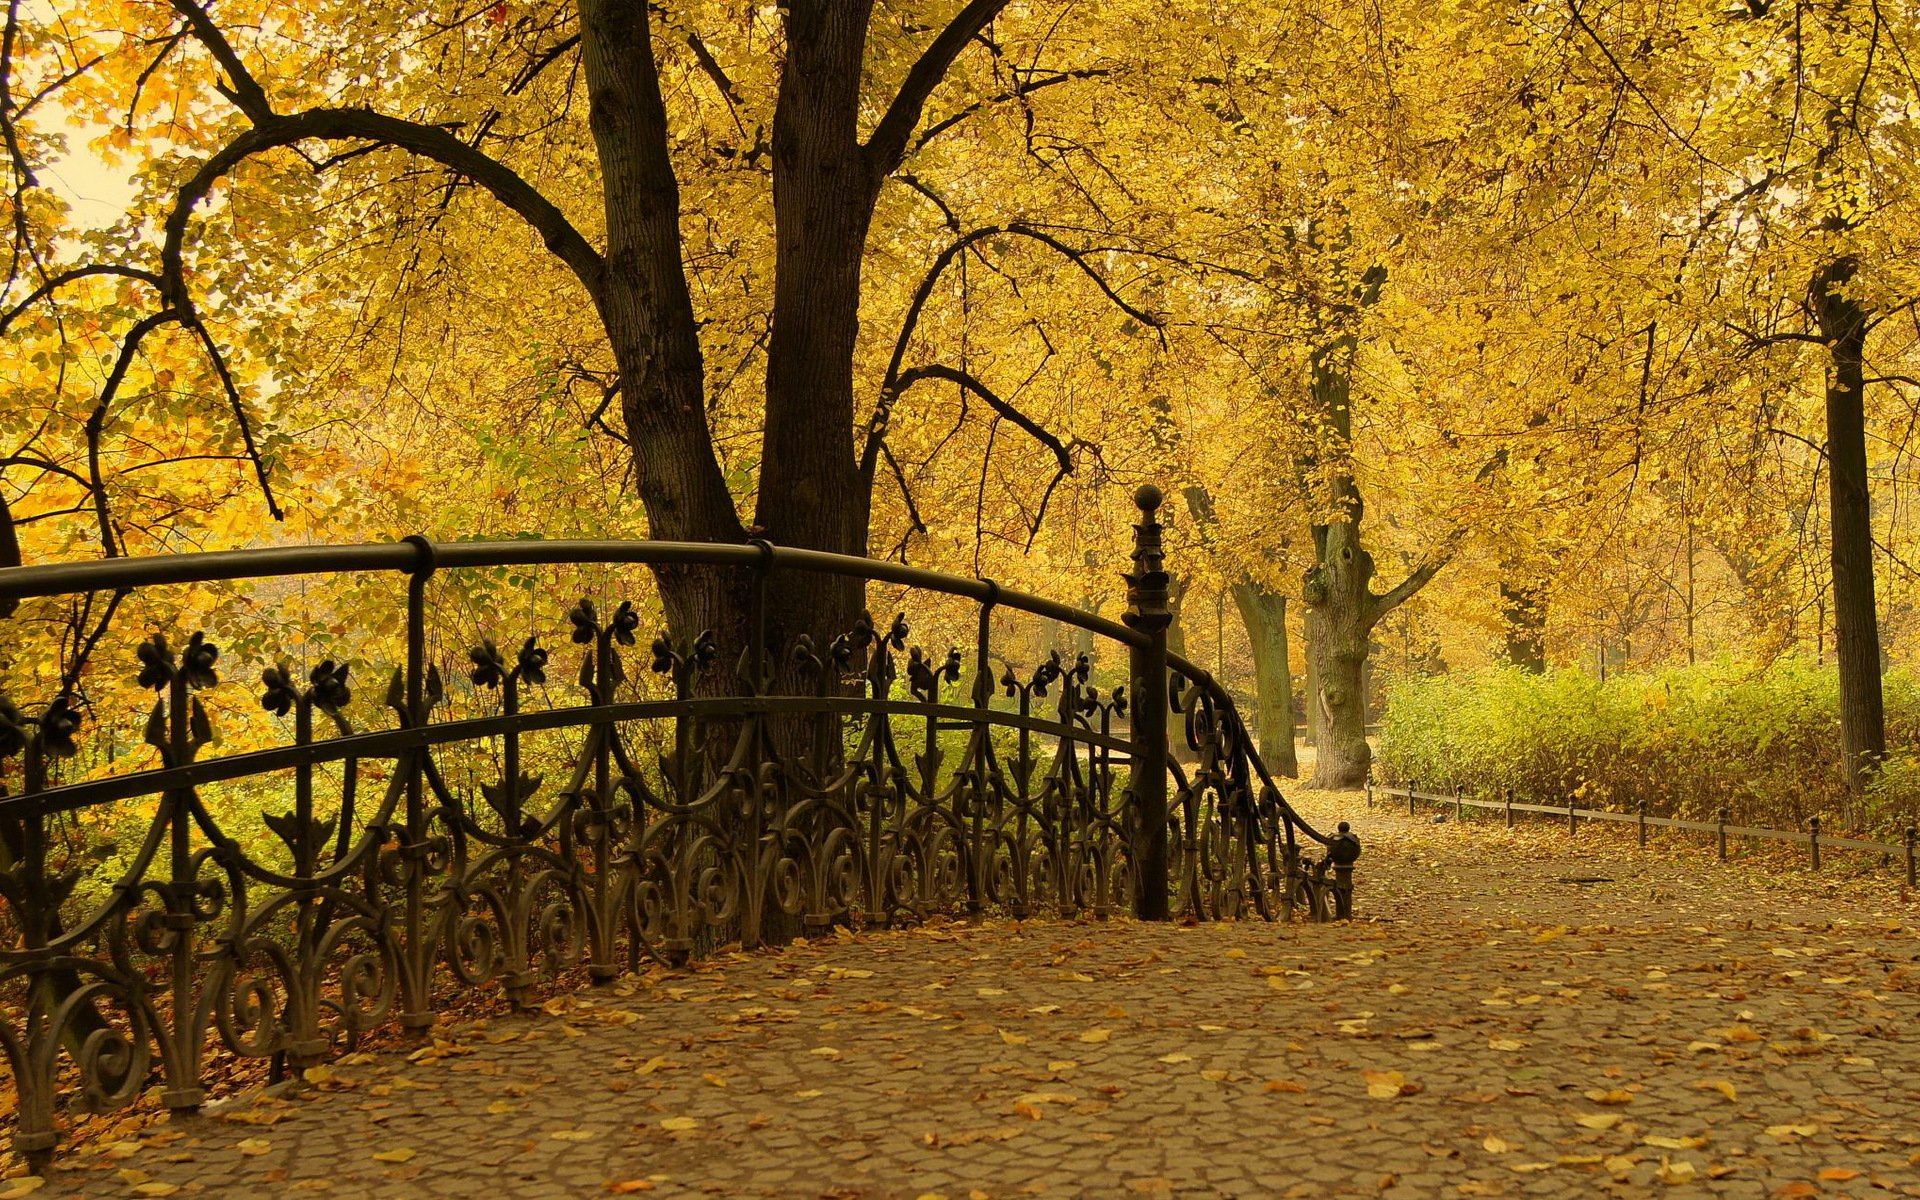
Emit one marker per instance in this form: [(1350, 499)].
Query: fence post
[(1413, 785), (1643, 824), (1147, 613), (1459, 809), (1573, 822), (1509, 792), (1725, 812), (1913, 837), (1369, 789), (1813, 840)]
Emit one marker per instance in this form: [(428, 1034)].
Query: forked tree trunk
[(1342, 608), (1843, 323), (1264, 613)]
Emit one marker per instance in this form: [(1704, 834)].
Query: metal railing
[(1721, 827), (283, 901)]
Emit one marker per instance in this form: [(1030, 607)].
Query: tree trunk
[(1524, 609), (1342, 609), (1843, 323), (1310, 688), (1264, 614)]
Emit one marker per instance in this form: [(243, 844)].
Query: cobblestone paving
[(1513, 1017)]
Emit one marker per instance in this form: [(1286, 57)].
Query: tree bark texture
[(1264, 614), (1843, 324)]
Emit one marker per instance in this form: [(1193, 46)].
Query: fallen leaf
[(626, 1187), (393, 1156), (682, 1124), (252, 1147), (1837, 1174), (1616, 1096), (1498, 1145), (1096, 1035), (1600, 1120), (1676, 1172)]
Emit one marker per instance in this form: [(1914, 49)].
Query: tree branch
[(1014, 93), (428, 141), (887, 145), (239, 415), (893, 382), (1419, 578), (241, 87)]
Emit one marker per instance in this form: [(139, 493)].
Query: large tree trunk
[(1342, 608), (1843, 323), (1264, 613)]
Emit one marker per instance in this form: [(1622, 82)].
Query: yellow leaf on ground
[(1283, 1085), (1723, 1086), (680, 1124), (252, 1147), (1494, 1144), (1096, 1035), (1616, 1096), (1600, 1120), (1385, 1085), (626, 1187), (573, 1135), (1676, 1172), (1013, 1039), (1673, 1143), (1837, 1174), (1501, 1043), (1176, 1057), (393, 1156)]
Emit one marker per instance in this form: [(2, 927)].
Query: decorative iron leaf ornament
[(156, 663), (279, 695), (532, 661), (329, 687), (13, 729), (199, 660), (585, 620), (57, 726)]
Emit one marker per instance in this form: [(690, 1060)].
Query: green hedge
[(1765, 742)]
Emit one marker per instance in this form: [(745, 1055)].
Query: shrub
[(1762, 741)]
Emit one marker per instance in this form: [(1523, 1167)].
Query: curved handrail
[(1220, 697), (418, 554)]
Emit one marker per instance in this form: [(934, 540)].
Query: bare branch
[(427, 141), (241, 87), (887, 145), (1417, 579), (239, 415), (54, 282), (893, 383)]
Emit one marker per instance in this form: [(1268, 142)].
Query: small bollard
[(1459, 808), (1813, 840), (1724, 814), (1643, 824), (1369, 790), (1509, 792), (1573, 821), (1413, 785), (1913, 837)]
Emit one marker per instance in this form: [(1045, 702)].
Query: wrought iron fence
[(286, 900), (1722, 827)]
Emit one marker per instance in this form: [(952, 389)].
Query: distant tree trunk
[(1177, 631), (1843, 323), (1310, 688), (1524, 608), (9, 556), (1264, 613)]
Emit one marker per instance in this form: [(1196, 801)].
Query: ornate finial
[(1147, 583)]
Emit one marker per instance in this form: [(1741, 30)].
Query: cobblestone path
[(1513, 1016)]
